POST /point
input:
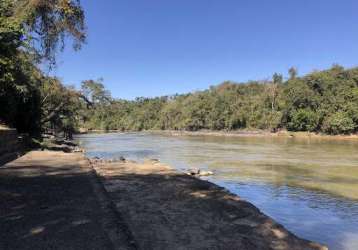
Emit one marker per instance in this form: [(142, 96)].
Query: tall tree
[(277, 79), (47, 23), (32, 31), (292, 72), (95, 92)]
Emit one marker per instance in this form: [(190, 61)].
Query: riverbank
[(54, 200), (166, 209), (238, 133), (257, 133)]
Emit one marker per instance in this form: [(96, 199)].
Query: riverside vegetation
[(323, 101), (32, 31)]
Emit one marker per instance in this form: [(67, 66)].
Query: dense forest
[(323, 101), (31, 32)]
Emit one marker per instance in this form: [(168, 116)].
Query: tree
[(292, 73), (272, 89), (31, 31), (47, 23), (60, 107), (94, 92), (277, 78)]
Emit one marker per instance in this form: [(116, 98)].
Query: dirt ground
[(165, 209)]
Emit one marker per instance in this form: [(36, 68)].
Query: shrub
[(270, 120), (303, 120), (338, 123)]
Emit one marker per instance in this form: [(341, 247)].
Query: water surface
[(308, 185)]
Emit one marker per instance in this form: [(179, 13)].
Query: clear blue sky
[(159, 47)]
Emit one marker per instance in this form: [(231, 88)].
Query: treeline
[(323, 101), (31, 33)]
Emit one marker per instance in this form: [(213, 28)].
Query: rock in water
[(198, 172), (205, 173), (194, 171)]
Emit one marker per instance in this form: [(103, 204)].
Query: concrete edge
[(113, 222)]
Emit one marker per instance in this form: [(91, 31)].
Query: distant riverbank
[(255, 133), (236, 133)]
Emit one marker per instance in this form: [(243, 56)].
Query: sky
[(162, 47)]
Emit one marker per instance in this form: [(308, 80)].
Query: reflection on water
[(308, 185)]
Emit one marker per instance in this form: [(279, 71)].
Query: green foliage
[(339, 123), (31, 31), (49, 23), (95, 92), (298, 104), (303, 120)]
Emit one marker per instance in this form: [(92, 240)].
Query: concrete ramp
[(49, 200)]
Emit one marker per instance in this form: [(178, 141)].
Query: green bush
[(270, 120), (338, 123), (303, 120)]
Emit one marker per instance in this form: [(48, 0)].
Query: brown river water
[(308, 185)]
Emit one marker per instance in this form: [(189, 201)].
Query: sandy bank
[(165, 209)]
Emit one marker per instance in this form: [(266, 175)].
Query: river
[(308, 185)]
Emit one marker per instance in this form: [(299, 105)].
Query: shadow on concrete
[(44, 207)]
